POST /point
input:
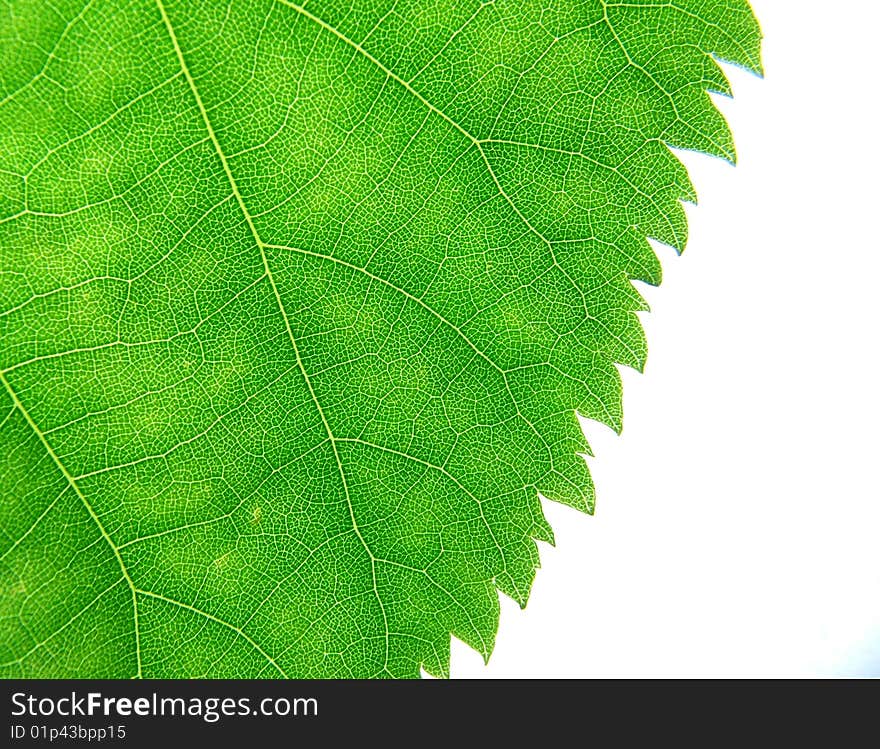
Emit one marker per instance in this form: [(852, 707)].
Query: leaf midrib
[(268, 271)]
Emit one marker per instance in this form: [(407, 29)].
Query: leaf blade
[(307, 334)]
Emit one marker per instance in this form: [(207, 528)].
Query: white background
[(738, 522)]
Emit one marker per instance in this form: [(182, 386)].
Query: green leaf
[(299, 304)]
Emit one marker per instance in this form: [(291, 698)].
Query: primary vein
[(262, 248)]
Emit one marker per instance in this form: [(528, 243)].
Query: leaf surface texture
[(298, 304)]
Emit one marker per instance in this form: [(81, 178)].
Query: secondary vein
[(91, 510)]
